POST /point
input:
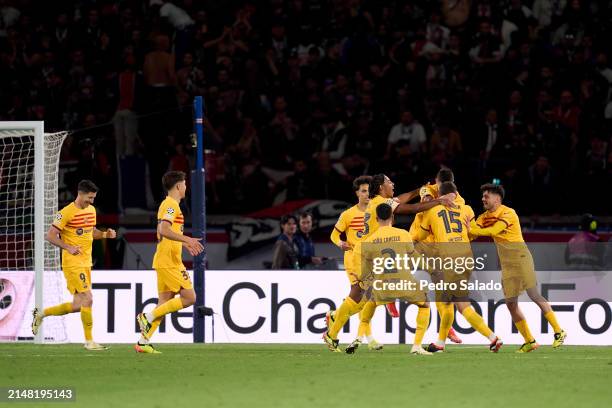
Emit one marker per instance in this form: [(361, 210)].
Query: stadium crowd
[(302, 96)]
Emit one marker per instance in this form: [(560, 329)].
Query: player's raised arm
[(407, 197), (446, 200), (491, 231)]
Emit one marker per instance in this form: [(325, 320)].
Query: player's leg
[(72, 283), (177, 282), (446, 310), (350, 305), (364, 332), (521, 324), (85, 299), (478, 323), (422, 322), (549, 314), (452, 334), (143, 345)]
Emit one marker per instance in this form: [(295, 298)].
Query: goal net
[(30, 270)]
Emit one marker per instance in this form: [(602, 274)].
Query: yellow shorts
[(518, 274), (172, 280), (78, 279)]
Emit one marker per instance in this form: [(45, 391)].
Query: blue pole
[(198, 220)]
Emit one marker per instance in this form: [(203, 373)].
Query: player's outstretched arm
[(193, 245), (491, 231), (407, 197), (54, 238), (446, 200), (109, 233)]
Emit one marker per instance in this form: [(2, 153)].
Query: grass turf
[(308, 375)]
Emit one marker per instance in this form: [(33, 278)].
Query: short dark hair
[(359, 181), (285, 218), (447, 187), (171, 178), (87, 186), (445, 174), (375, 183), (384, 211), (306, 214), (493, 189)]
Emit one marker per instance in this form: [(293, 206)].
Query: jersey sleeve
[(469, 213), (341, 224), (507, 217), (62, 218), (168, 212), (491, 231), (424, 229)]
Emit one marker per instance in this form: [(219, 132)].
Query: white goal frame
[(38, 130)]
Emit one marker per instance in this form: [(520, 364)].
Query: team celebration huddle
[(443, 227)]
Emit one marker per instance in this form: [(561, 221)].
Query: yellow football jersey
[(435, 193), (351, 223), (512, 232), (447, 224), (373, 275), (396, 238), (76, 227), (415, 228), (369, 218), (169, 253)]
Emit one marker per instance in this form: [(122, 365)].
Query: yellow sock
[(170, 306), (87, 320), (476, 321), (421, 326), (447, 317), (348, 308), (154, 325), (58, 310), (365, 317), (523, 328), (552, 319)]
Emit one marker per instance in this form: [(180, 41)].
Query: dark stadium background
[(302, 96)]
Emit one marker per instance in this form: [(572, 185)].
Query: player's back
[(389, 241), (447, 224)]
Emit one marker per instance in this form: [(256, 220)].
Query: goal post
[(29, 166)]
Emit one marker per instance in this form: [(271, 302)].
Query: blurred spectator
[(489, 135), (445, 142), (286, 251), (541, 185), (410, 130), (304, 242), (125, 120), (301, 96), (8, 16)]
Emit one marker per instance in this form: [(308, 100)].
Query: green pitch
[(255, 376)]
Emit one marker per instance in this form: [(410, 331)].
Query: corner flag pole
[(198, 221)]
